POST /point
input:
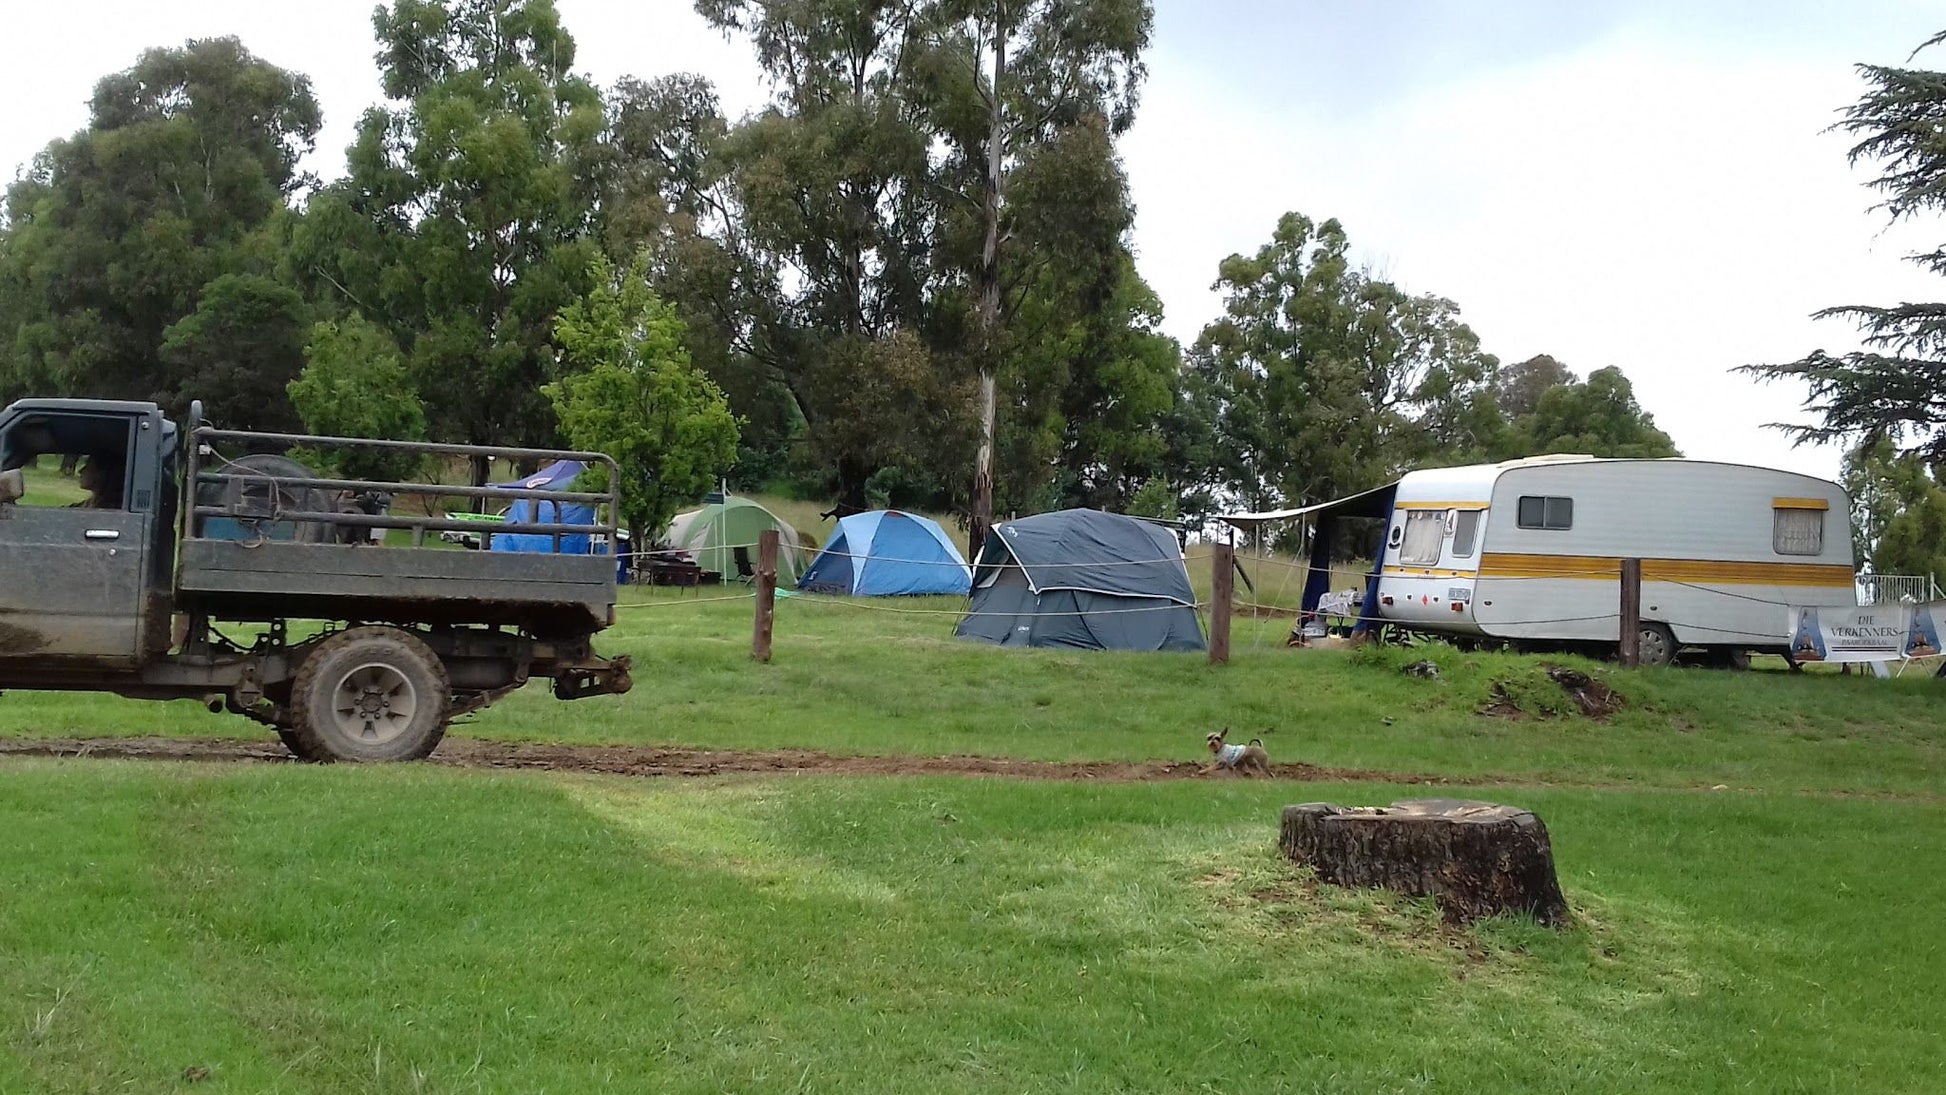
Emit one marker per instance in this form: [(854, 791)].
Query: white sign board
[(1873, 633)]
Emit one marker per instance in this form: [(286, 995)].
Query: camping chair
[(746, 571)]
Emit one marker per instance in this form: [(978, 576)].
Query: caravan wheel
[(1656, 646)]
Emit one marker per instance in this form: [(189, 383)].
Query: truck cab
[(86, 537)]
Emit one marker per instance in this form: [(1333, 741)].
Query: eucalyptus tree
[(116, 235), (669, 194), (467, 219), (629, 389), (1324, 380), (832, 232), (1026, 97)]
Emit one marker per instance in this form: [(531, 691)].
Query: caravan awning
[(1376, 503)]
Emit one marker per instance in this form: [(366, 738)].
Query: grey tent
[(1082, 578)]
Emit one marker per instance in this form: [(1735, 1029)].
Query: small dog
[(1249, 760)]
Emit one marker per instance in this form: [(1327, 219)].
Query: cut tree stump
[(1475, 859)]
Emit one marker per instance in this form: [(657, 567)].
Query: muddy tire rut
[(629, 760)]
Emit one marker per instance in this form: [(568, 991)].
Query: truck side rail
[(198, 476)]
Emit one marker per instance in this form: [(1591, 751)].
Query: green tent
[(722, 537)]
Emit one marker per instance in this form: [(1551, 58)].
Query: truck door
[(72, 551)]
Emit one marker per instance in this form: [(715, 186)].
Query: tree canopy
[(465, 223), (115, 235), (355, 384), (1321, 380), (1325, 380), (628, 389), (906, 279)]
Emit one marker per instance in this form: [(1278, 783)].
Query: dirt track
[(653, 761)]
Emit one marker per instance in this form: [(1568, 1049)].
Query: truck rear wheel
[(369, 694), (297, 745)]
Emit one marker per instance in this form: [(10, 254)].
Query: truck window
[(78, 460), (1425, 530), (1537, 511), (1797, 531), (1466, 529)]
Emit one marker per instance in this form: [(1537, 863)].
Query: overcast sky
[(1642, 183)]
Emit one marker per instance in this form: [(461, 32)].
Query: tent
[(560, 476), (1082, 578), (885, 553), (722, 538)]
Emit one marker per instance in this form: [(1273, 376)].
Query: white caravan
[(1530, 551)]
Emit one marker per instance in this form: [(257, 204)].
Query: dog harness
[(1229, 755)]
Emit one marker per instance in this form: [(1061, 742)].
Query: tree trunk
[(1476, 859), (989, 301)]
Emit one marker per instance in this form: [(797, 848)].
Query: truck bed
[(551, 596)]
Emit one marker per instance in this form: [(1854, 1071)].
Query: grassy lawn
[(295, 928), (320, 929), (1754, 860), (868, 677)]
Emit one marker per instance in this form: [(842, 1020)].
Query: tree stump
[(1475, 859)]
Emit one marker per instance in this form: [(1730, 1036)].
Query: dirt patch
[(653, 761), (1594, 697), (1515, 699)]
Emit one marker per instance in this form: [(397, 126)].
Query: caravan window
[(1425, 530), (1466, 527), (1797, 531), (1549, 513)]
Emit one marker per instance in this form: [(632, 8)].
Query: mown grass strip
[(310, 929)]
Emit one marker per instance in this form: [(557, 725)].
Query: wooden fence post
[(766, 594), (1631, 614), (1222, 592)]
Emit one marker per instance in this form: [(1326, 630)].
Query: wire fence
[(1277, 609), (1201, 606)]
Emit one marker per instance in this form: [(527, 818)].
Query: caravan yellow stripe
[(1799, 503), (1693, 571), (1428, 572), (1510, 565)]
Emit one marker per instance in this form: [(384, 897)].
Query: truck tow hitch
[(609, 679)]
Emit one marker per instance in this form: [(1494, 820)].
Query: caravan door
[(1431, 565)]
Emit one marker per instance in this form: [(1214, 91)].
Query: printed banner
[(1873, 633), (1922, 638)]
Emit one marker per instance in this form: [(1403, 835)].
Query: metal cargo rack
[(264, 578)]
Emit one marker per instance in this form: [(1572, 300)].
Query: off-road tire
[(369, 694), (288, 735), (1655, 646)]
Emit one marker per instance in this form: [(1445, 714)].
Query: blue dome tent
[(885, 553)]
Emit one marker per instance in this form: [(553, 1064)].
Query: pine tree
[(1896, 386)]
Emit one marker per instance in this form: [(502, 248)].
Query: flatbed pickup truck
[(350, 650)]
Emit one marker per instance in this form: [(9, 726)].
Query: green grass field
[(319, 929), (1754, 861), (869, 677)]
